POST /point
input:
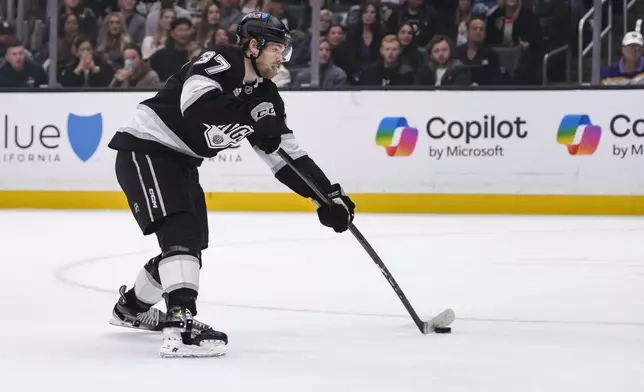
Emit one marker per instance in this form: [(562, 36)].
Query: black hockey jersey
[(203, 109)]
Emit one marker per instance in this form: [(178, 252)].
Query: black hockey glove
[(340, 213), (268, 144)]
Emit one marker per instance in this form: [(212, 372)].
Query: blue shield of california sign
[(84, 133)]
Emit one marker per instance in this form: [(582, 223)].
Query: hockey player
[(215, 101)]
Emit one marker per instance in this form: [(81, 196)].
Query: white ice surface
[(542, 304)]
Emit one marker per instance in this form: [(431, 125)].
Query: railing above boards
[(553, 53), (580, 33)]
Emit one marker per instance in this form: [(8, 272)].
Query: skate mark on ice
[(61, 275)]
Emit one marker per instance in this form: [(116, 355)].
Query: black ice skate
[(124, 316), (153, 320), (180, 341)]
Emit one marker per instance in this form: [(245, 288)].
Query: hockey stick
[(437, 323)]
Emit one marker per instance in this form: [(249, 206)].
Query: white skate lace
[(199, 325), (151, 317)]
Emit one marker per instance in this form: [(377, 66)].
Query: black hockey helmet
[(264, 28)]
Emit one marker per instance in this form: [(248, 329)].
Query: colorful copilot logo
[(388, 128), (590, 134)]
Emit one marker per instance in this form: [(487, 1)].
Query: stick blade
[(441, 320)]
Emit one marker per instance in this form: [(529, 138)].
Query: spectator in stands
[(248, 6), (152, 43), (513, 24), (152, 20), (304, 22), (411, 54), (193, 49), (389, 70), (335, 35), (282, 77), (326, 20), (68, 30), (88, 69), (277, 8), (100, 8), (7, 32), (477, 53), (331, 76), (355, 12), (171, 58), (422, 16), (458, 30), (18, 71), (196, 17), (135, 21), (113, 39), (230, 14), (135, 72), (442, 69), (630, 68), (484, 7), (86, 17), (362, 45), (302, 52), (209, 23), (220, 36), (194, 6)]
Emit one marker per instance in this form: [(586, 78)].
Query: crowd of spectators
[(130, 43)]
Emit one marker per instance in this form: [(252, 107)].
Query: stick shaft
[(361, 239)]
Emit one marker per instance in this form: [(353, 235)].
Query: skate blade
[(119, 323), (208, 350), (190, 355)]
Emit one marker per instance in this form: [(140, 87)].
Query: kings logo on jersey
[(223, 136)]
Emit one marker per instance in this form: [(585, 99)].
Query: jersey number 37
[(221, 64)]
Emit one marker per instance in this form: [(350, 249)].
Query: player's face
[(133, 56), (213, 14), (166, 18), (181, 34), (325, 52), (221, 37), (84, 49), (476, 32), (271, 58), (405, 34), (71, 25), (632, 52), (335, 35), (16, 57), (441, 53), (114, 26), (390, 51), (325, 21)]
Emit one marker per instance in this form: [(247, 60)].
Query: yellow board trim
[(387, 203)]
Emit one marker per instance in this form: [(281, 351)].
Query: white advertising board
[(469, 142)]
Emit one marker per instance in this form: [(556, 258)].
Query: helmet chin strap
[(253, 61)]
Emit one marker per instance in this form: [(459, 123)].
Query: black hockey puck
[(442, 330)]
